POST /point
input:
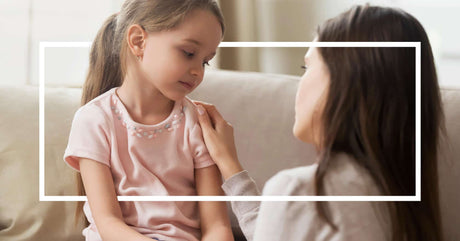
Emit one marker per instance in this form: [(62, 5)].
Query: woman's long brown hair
[(370, 113), (107, 65)]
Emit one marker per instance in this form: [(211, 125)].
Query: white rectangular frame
[(417, 197)]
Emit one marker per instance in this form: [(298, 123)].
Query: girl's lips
[(187, 85)]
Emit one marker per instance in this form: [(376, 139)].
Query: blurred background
[(24, 23)]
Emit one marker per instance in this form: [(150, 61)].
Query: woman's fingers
[(213, 113), (204, 119), (219, 139)]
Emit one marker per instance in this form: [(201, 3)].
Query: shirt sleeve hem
[(71, 158), (204, 163)]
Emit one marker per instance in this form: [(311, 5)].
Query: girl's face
[(310, 98), (174, 60)]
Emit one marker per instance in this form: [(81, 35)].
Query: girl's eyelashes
[(188, 54), (304, 67), (191, 55)]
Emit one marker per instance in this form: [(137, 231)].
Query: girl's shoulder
[(189, 109), (106, 99), (96, 110)]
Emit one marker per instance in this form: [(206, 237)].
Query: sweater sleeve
[(241, 184), (297, 220), (285, 220)]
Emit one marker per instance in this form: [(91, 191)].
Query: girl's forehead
[(199, 18), (201, 28)]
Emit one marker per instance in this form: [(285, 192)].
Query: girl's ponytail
[(104, 74), (104, 62)]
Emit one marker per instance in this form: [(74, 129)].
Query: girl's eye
[(188, 54), (304, 67), (205, 63)]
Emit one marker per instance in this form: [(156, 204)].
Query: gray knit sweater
[(293, 221)]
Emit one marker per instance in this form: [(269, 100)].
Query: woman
[(357, 107)]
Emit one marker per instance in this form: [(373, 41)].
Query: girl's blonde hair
[(109, 50)]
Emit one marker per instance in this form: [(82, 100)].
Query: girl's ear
[(136, 40)]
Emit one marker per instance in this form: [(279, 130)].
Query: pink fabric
[(144, 160)]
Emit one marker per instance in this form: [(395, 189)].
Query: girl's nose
[(197, 70)]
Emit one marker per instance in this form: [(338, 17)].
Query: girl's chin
[(175, 96)]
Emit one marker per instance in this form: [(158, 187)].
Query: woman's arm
[(102, 198), (215, 224)]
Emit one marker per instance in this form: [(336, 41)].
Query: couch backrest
[(260, 106)]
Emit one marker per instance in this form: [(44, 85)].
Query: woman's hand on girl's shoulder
[(219, 139)]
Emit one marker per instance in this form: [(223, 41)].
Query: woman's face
[(310, 98)]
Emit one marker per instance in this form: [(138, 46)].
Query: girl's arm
[(102, 198), (215, 224), (219, 139)]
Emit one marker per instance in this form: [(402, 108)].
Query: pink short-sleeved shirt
[(145, 160)]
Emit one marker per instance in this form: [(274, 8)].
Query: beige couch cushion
[(22, 216)]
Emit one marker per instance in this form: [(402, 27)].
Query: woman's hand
[(219, 139)]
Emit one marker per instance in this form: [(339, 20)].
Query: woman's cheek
[(302, 117)]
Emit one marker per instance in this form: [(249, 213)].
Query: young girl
[(357, 106), (137, 132)]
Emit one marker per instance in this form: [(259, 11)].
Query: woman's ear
[(136, 40)]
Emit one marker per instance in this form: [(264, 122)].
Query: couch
[(260, 107)]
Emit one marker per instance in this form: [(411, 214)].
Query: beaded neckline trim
[(149, 133)]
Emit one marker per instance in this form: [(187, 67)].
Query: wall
[(15, 32), (24, 23)]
